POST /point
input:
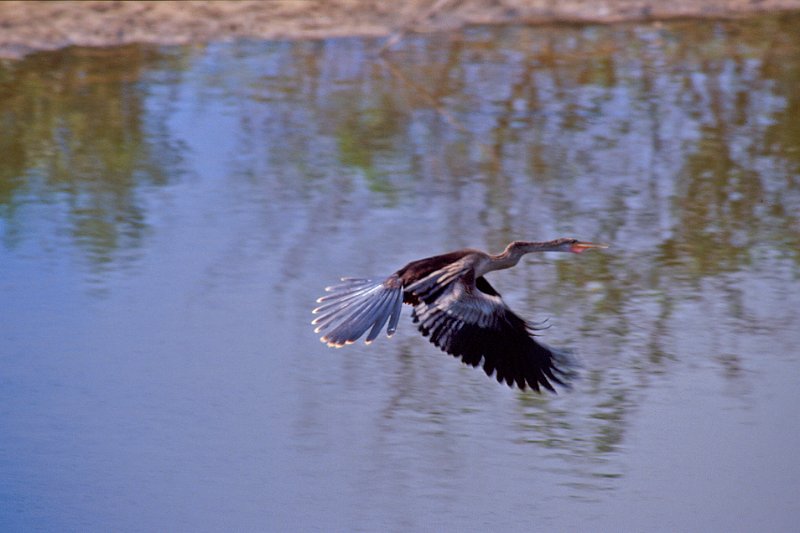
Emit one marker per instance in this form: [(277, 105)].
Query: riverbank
[(26, 27)]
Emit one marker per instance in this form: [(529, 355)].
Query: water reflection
[(209, 193), (79, 139)]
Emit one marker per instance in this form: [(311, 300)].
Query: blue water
[(169, 215)]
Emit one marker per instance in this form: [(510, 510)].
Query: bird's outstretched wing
[(355, 306), (467, 318)]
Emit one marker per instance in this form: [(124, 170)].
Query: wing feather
[(477, 326)]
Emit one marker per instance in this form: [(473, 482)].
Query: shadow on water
[(272, 168)]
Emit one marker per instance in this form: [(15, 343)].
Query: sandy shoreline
[(26, 27)]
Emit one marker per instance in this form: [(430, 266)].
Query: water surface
[(169, 215)]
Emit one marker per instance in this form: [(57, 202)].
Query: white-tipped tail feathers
[(355, 306)]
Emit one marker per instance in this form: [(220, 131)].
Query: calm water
[(169, 215)]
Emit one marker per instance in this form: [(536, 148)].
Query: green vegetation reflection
[(77, 134)]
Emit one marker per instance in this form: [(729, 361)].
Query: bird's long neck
[(514, 251)]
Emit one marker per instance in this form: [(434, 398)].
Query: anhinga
[(456, 308)]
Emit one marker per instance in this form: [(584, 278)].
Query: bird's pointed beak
[(579, 247)]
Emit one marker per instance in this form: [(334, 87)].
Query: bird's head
[(559, 245), (575, 246)]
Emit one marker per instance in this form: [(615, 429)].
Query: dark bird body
[(456, 308)]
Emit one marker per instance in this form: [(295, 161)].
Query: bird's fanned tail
[(355, 306)]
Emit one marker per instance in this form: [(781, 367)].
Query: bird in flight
[(456, 308)]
